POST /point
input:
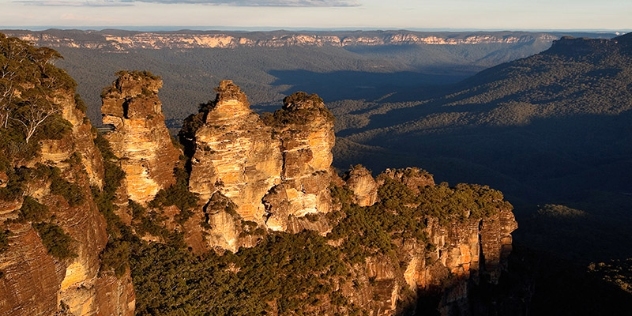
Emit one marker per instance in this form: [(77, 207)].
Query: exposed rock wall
[(271, 168), (235, 154), (56, 233), (140, 138), (189, 40), (305, 129), (31, 280), (459, 254), (362, 184)]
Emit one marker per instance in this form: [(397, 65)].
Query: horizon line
[(158, 28)]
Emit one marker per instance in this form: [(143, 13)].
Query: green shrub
[(79, 104), (138, 211), (56, 241), (70, 191), (116, 256), (284, 269), (152, 224), (178, 195), (301, 96), (56, 127), (4, 240), (14, 189), (33, 211), (112, 180)]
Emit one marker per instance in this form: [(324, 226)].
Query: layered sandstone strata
[(33, 281), (235, 154), (362, 184), (305, 129), (140, 137)]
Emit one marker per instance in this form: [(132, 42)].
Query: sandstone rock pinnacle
[(234, 153), (140, 138)]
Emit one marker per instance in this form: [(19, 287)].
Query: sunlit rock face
[(140, 138), (235, 154), (275, 169), (33, 281), (147, 40), (305, 129), (362, 184), (455, 254)]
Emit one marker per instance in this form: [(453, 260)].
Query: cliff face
[(458, 255), (363, 186), (31, 280), (140, 138), (305, 129), (121, 41), (235, 154), (53, 229)]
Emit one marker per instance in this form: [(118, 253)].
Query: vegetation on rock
[(58, 243), (4, 239), (29, 86)]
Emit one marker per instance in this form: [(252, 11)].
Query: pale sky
[(293, 14)]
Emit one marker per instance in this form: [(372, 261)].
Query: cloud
[(76, 3), (262, 3), (237, 3)]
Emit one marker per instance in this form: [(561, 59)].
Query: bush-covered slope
[(554, 128)]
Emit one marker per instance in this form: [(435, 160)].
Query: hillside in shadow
[(550, 130)]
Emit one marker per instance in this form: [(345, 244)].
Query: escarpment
[(53, 230)]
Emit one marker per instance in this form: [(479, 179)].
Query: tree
[(33, 114), (28, 84)]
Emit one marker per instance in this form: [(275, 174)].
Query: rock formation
[(362, 184), (457, 254), (115, 41), (235, 154), (271, 169), (140, 138), (305, 129)]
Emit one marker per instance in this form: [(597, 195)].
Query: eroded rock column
[(140, 137), (234, 153), (305, 128)]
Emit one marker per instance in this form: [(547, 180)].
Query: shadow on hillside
[(341, 85), (582, 161), (535, 283)]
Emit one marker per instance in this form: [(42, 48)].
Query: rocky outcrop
[(362, 184), (413, 178), (140, 138), (270, 168), (305, 129), (51, 263), (455, 256), (235, 154)]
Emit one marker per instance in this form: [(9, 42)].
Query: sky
[(613, 15)]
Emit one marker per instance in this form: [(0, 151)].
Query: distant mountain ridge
[(117, 40)]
